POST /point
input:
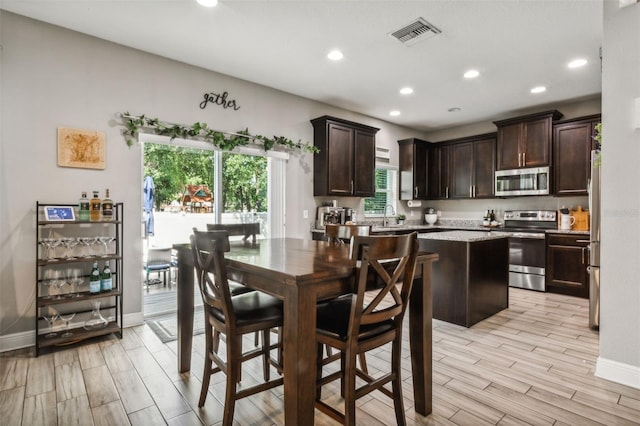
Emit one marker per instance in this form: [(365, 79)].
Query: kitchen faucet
[(385, 220)]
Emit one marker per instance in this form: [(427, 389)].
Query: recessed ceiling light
[(207, 3), (454, 109), (335, 55), (471, 74), (394, 113), (577, 63), (538, 89), (406, 91)]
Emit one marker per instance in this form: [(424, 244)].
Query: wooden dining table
[(302, 272)]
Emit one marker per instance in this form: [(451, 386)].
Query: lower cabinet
[(567, 261)]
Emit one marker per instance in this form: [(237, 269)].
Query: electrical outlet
[(305, 214)]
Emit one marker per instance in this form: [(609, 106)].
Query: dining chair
[(354, 326), (235, 288), (342, 233), (232, 317), (339, 234), (245, 230)]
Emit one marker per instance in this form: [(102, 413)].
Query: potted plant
[(401, 219)]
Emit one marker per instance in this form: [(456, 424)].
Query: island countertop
[(464, 236)]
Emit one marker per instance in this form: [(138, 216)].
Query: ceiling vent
[(416, 31)]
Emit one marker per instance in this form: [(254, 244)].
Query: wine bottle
[(107, 207), (83, 208), (94, 279), (95, 208), (106, 281)]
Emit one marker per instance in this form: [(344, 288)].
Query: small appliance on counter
[(333, 215), (430, 216)]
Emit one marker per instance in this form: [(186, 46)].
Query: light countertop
[(465, 236)]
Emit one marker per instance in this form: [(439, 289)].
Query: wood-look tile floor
[(530, 364)]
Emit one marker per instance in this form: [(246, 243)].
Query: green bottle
[(83, 208), (94, 279), (106, 281)]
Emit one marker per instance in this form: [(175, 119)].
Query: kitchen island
[(471, 280)]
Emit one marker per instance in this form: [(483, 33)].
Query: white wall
[(53, 77), (620, 263)]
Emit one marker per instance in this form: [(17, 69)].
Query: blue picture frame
[(59, 213)]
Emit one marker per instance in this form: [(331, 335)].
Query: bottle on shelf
[(83, 208), (94, 279), (107, 207), (95, 208), (106, 281)]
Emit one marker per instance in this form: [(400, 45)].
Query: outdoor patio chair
[(159, 260)]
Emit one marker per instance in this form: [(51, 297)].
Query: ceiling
[(515, 44)]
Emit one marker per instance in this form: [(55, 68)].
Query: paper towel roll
[(414, 204)]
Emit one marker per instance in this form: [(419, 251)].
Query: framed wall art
[(83, 149)]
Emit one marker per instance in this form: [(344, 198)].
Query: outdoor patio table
[(301, 272)]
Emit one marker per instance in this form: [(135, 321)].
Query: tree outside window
[(386, 190), (244, 184)]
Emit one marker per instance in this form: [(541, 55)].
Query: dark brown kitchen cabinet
[(439, 171), (345, 165), (525, 141), (567, 261), (472, 168), (572, 145), (462, 168), (414, 168)]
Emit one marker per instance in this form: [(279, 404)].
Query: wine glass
[(53, 243), (85, 242), (75, 281), (92, 241), (47, 281), (48, 243), (105, 241), (69, 243), (67, 321), (59, 281), (50, 318), (45, 245)]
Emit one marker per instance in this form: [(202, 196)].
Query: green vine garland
[(226, 141)]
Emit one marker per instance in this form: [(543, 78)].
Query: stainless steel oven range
[(527, 246)]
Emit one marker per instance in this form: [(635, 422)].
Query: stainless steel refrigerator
[(594, 244)]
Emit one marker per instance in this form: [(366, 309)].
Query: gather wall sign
[(220, 99)]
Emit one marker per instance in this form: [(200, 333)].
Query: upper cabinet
[(345, 165), (462, 168), (572, 145), (439, 170), (472, 167), (525, 141), (414, 168)]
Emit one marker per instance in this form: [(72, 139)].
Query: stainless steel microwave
[(532, 181)]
